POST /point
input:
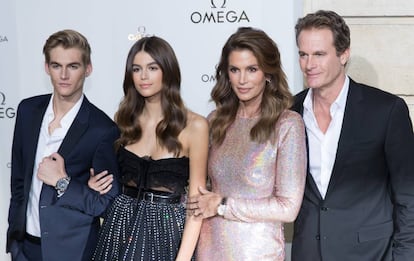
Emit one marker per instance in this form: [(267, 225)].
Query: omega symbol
[(141, 33), (3, 99), (223, 4), (5, 112)]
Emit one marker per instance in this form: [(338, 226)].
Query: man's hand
[(51, 169)]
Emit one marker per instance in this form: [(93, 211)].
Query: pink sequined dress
[(264, 184)]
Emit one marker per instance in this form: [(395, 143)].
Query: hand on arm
[(101, 182), (204, 205), (79, 195)]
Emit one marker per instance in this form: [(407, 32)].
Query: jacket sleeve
[(16, 182), (399, 151), (79, 196)]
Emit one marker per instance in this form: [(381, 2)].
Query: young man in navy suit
[(359, 195), (58, 140)]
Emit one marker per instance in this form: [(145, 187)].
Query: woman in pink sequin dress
[(257, 158)]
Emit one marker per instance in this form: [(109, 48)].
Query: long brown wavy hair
[(173, 109), (276, 96)]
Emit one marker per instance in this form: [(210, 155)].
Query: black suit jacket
[(368, 210), (69, 224)]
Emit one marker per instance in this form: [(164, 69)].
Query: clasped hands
[(203, 205)]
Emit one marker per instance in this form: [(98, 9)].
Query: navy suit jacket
[(368, 210), (69, 224)]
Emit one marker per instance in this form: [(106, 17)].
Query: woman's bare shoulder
[(196, 122)]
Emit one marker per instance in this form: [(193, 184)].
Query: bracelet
[(221, 209)]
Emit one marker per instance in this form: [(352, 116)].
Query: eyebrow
[(251, 65), (313, 52), (74, 63), (151, 63)]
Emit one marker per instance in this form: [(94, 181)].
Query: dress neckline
[(149, 158)]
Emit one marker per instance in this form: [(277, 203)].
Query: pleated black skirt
[(140, 230)]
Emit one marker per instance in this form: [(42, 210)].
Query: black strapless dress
[(139, 229)]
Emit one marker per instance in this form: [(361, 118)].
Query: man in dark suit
[(359, 197), (58, 140)]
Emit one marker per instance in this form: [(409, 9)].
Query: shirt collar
[(69, 116), (339, 102)]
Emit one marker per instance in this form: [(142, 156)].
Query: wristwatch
[(222, 207), (62, 185)]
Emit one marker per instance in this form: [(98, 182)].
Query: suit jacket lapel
[(75, 132), (77, 129), (33, 132), (352, 117), (310, 182)]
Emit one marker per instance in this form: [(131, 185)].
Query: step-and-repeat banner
[(196, 30)]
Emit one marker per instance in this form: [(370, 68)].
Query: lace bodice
[(146, 173)]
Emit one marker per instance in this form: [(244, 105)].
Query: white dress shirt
[(47, 144), (323, 146)]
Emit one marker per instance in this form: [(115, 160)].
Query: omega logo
[(5, 112), (213, 4), (3, 99), (208, 78), (3, 38), (219, 14), (141, 33)]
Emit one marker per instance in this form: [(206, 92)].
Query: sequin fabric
[(143, 230), (264, 184)]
